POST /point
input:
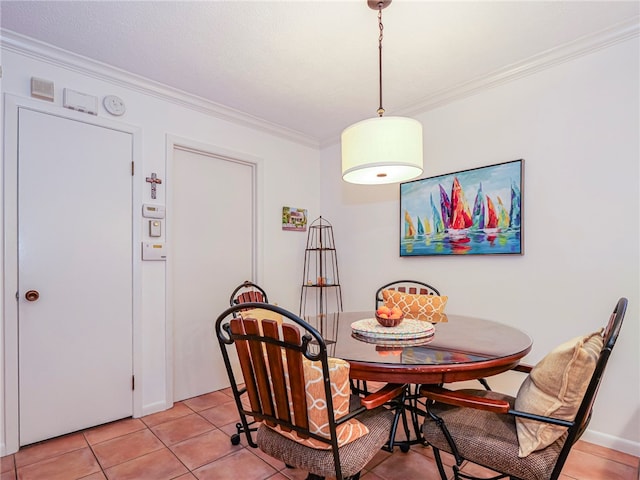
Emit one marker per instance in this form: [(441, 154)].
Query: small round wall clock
[(114, 105)]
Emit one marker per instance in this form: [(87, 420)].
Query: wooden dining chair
[(527, 437), (413, 287), (297, 397), (248, 292), (406, 295)]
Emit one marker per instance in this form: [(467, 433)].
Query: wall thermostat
[(153, 211), (114, 105)]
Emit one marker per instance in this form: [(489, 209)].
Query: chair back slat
[(260, 368), (244, 356), (276, 368), (252, 296), (248, 292), (296, 377)]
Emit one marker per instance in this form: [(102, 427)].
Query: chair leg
[(313, 476), (485, 384), (399, 412), (436, 454)]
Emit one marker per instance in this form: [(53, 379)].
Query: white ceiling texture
[(311, 67)]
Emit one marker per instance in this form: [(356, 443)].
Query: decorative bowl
[(389, 322)]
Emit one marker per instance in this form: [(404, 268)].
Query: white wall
[(577, 127), (288, 177)]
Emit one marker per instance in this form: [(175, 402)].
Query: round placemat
[(394, 342), (409, 328)]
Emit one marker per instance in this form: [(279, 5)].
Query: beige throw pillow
[(555, 388)]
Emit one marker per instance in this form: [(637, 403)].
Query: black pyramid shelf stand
[(321, 294)]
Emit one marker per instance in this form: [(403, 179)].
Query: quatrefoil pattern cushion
[(415, 306), (317, 405)]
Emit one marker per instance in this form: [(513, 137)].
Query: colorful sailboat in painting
[(420, 232), (503, 215), (409, 228), (491, 226), (445, 208), (438, 225), (514, 214), (427, 226), (478, 210), (460, 213)]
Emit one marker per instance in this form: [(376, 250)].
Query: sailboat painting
[(471, 212)]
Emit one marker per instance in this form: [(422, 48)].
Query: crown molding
[(564, 53), (29, 47), (550, 58)]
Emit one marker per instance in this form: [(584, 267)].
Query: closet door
[(212, 240), (75, 275)]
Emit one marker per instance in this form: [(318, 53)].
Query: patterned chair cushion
[(555, 388), (354, 456), (415, 306), (489, 439), (317, 405)]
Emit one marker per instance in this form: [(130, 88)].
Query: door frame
[(256, 164), (12, 103)]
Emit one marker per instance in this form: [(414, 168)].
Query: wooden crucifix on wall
[(153, 180)]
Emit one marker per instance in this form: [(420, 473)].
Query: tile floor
[(191, 441)]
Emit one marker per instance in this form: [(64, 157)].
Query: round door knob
[(32, 295)]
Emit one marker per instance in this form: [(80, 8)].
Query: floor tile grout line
[(15, 462)]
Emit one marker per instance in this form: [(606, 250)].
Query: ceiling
[(312, 66)]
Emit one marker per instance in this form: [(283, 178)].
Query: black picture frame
[(470, 212)]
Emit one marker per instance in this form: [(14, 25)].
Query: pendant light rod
[(380, 109), (379, 6)]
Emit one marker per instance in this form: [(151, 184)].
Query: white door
[(212, 237), (74, 237)]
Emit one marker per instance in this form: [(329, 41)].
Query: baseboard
[(155, 407), (614, 443)]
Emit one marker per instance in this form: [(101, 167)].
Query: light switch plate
[(80, 101), (155, 228), (153, 251)]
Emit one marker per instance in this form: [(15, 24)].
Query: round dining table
[(458, 347)]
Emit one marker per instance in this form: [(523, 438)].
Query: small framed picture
[(294, 219)]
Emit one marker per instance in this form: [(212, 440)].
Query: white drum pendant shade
[(382, 150)]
